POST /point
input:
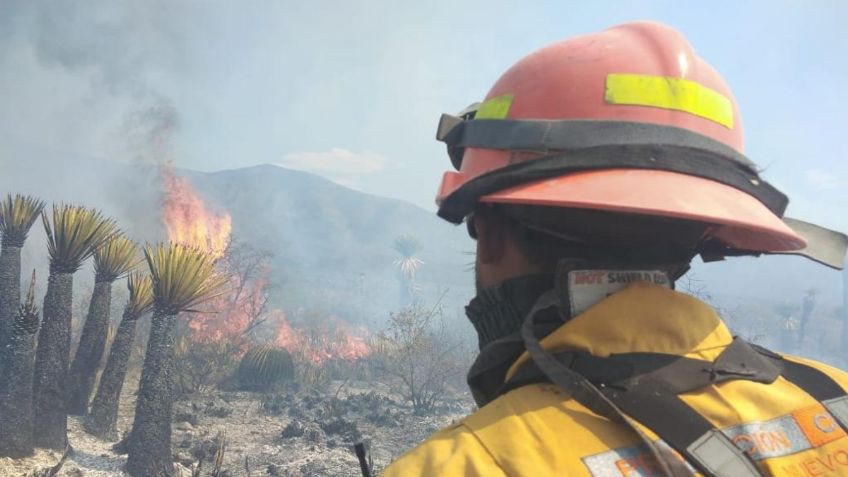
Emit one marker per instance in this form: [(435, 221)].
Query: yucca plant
[(408, 247), (113, 259), (16, 418), (183, 278), (102, 418), (73, 236), (264, 367), (17, 214)]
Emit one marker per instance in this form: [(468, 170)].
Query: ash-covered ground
[(284, 433)]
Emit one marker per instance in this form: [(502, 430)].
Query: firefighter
[(591, 175)]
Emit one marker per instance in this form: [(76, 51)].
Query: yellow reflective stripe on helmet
[(669, 93), (495, 108)]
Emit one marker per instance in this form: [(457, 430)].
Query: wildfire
[(322, 344), (186, 219), (232, 313)]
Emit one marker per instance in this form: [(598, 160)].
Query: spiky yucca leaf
[(183, 277), (115, 257), (140, 287), (75, 234), (407, 246), (17, 214), (26, 322)]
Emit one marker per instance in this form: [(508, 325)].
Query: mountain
[(332, 244)]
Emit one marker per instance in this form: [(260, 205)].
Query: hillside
[(332, 244)]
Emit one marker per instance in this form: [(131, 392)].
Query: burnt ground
[(275, 434)]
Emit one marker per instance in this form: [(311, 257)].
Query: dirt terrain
[(274, 434)]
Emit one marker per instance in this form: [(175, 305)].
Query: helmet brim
[(742, 222)]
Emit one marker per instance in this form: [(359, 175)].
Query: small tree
[(74, 235), (182, 278), (111, 260), (209, 344), (101, 420), (408, 247), (16, 419), (419, 356), (17, 214)]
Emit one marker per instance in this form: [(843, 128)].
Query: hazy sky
[(353, 89)]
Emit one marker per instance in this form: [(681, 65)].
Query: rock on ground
[(283, 434)]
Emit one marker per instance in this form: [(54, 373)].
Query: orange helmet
[(627, 120)]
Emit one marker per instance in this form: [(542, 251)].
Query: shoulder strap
[(587, 394), (644, 387), (647, 400), (814, 382), (651, 402)]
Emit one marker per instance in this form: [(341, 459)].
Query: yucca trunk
[(102, 419), (51, 363), (149, 445), (16, 417), (10, 296), (89, 353)]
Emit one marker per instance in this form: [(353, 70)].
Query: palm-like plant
[(183, 278), (101, 420), (408, 247), (74, 235), (17, 214), (112, 260), (16, 419)]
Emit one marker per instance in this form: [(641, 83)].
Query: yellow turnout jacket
[(538, 430)]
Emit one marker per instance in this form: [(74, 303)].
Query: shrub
[(419, 356), (203, 366)]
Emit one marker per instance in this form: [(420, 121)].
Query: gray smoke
[(99, 71), (85, 88)]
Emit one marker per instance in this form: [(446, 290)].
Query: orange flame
[(323, 344), (232, 312), (186, 219)]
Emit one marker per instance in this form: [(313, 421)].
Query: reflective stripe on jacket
[(537, 430)]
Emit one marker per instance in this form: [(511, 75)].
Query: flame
[(232, 313), (323, 343), (186, 219)]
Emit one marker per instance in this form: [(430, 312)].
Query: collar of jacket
[(640, 318)]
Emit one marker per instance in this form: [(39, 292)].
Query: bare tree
[(419, 356), (209, 344)]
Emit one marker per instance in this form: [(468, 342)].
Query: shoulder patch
[(802, 430)]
